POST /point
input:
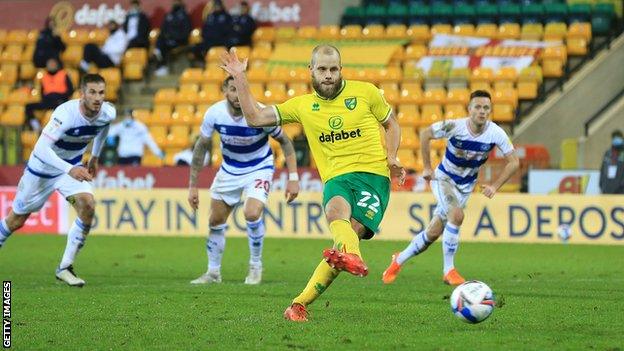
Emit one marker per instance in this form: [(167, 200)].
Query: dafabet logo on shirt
[(337, 134)]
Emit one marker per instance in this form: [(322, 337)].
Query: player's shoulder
[(497, 130), (360, 85), (216, 109), (109, 112)]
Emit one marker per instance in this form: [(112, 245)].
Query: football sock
[(321, 278), (215, 244), (450, 242), (419, 243), (5, 232), (345, 238), (75, 241), (255, 234)]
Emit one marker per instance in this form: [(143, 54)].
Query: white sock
[(4, 232), (419, 243), (450, 242), (255, 234), (75, 241), (215, 246)]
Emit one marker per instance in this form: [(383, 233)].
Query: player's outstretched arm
[(255, 115), (393, 139), (96, 150), (292, 188), (43, 151), (426, 135), (199, 154), (513, 163)]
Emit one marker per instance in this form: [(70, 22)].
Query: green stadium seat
[(487, 13), (375, 14), (463, 14), (579, 12), (509, 13), (532, 13), (602, 17), (441, 13), (353, 15), (419, 15), (396, 14), (555, 13)]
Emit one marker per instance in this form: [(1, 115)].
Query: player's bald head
[(324, 50)]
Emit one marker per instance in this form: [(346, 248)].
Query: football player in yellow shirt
[(341, 122)]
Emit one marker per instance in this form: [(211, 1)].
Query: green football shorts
[(367, 193)]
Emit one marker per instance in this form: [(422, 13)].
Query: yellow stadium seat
[(213, 74), (275, 92), (29, 138), (151, 160), (396, 31), (328, 32), (532, 31), (258, 75), (3, 36), (453, 111), (408, 115), (505, 77), (242, 52), (458, 96), (195, 37), (419, 33), (406, 155), (266, 34), (192, 75), (187, 97), (429, 114), (17, 37), (580, 30), (285, 34), (76, 37), (257, 91), (72, 55), (434, 96), (214, 53), (261, 53), (13, 116), (209, 96), (27, 71), (481, 74), (98, 36), (505, 96), (553, 61), (18, 97), (488, 30), (502, 113), (409, 138), (292, 130), (133, 71), (509, 31), (464, 29), (528, 82), (373, 32), (441, 28), (159, 133), (555, 31), (307, 32), (391, 92), (436, 78), (411, 93), (412, 73), (135, 55), (353, 31), (390, 74), (458, 78), (297, 88), (415, 52), (12, 53), (170, 153), (577, 46)]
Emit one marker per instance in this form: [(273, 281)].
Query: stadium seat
[(98, 36), (411, 93), (508, 31), (429, 114), (29, 138), (260, 53), (307, 32), (328, 32), (213, 74), (78, 37), (27, 71), (578, 38), (415, 52), (264, 34), (419, 34), (214, 54), (297, 88), (528, 82), (458, 96), (441, 28), (580, 30), (285, 34), (555, 31), (391, 92), (13, 116), (481, 78), (458, 78), (373, 32), (409, 138), (72, 55), (532, 31), (390, 74), (465, 29), (488, 30), (12, 53), (396, 31), (352, 31), (275, 92), (408, 115), (17, 37), (553, 61), (142, 115), (505, 78), (453, 111), (209, 96)]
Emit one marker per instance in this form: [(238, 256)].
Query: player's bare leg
[(215, 243), (11, 223), (419, 244), (255, 234), (84, 203)]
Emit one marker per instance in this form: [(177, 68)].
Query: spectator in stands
[(185, 157), (612, 171), (133, 136), (111, 52), (137, 26), (215, 31), (56, 88), (243, 26), (174, 32), (49, 45)]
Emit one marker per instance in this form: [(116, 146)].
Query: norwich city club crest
[(350, 103)]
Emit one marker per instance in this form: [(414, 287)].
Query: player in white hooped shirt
[(247, 167), (470, 141), (56, 164)]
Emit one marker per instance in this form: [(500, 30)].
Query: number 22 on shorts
[(370, 201)]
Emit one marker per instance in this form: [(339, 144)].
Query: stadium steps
[(564, 112)]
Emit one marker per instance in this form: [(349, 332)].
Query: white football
[(472, 301)]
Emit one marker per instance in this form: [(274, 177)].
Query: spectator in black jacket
[(174, 32), (49, 45), (243, 26), (215, 31), (137, 26), (612, 170)]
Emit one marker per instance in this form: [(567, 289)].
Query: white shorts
[(448, 196), (33, 191), (229, 188)]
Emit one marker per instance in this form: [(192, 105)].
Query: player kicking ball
[(247, 168), (341, 121), (470, 141), (56, 164)]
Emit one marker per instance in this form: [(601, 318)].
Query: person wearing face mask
[(174, 32), (137, 26), (56, 88), (111, 52), (612, 171), (133, 136), (48, 45)]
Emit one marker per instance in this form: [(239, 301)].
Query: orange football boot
[(344, 261), (296, 313), (453, 278), (390, 274)]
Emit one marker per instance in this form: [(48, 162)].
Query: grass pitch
[(138, 297)]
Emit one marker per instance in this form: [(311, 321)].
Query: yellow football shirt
[(343, 133)]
